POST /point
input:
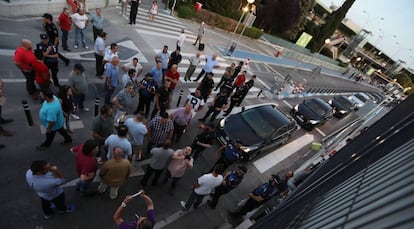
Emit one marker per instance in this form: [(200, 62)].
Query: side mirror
[(243, 108)]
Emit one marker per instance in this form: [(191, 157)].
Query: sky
[(397, 21)]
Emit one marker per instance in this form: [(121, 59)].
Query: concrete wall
[(22, 8)]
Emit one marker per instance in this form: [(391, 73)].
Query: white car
[(359, 99)]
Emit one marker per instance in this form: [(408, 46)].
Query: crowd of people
[(116, 142)]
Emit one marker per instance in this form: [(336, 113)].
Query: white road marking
[(320, 132), (287, 104), (272, 159)]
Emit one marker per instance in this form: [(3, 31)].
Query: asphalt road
[(21, 207)]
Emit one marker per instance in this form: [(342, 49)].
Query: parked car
[(359, 99), (341, 106), (260, 128), (311, 112)]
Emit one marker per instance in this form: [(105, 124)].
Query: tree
[(305, 7), (332, 22)]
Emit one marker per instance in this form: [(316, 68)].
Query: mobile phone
[(137, 194)]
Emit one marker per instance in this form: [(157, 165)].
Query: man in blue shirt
[(112, 78), (211, 63), (97, 21), (156, 73), (164, 57), (51, 117), (229, 154), (46, 180)]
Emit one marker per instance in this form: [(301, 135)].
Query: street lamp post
[(327, 41), (232, 45)]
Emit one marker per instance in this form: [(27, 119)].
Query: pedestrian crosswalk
[(168, 27)]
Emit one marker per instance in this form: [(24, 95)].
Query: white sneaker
[(75, 46), (85, 109), (74, 116), (86, 47), (183, 205)]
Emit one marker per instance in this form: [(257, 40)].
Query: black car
[(311, 112), (341, 105), (259, 128)]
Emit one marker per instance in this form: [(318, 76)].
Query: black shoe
[(210, 203), (130, 23), (4, 121), (194, 44), (67, 62), (41, 147), (201, 120), (66, 142), (195, 80)]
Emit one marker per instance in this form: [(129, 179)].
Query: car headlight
[(296, 108), (221, 123), (247, 149), (330, 102), (313, 122)]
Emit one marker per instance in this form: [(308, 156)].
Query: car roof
[(318, 101)]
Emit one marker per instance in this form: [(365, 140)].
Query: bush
[(186, 12), (253, 32)]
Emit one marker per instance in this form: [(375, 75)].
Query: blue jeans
[(78, 100), (65, 39), (83, 185), (77, 32)]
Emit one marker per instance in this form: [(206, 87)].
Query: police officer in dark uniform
[(204, 140), (236, 98), (50, 56), (219, 104), (229, 153), (206, 86), (231, 180), (53, 34), (147, 89)]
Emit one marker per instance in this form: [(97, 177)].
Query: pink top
[(177, 167)]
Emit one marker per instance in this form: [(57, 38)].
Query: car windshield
[(344, 101), (316, 107), (264, 120), (361, 97)]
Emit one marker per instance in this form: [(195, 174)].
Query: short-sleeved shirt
[(174, 76), (102, 126), (148, 87), (137, 131), (206, 85), (125, 99), (43, 47), (64, 22), (181, 39), (99, 46), (182, 118), (159, 131), (208, 183), (206, 138), (78, 82), (164, 59), (109, 54), (112, 72), (41, 69), (51, 112), (157, 75), (85, 164), (51, 31), (115, 141), (24, 57), (163, 95), (160, 158), (231, 153), (195, 101), (79, 20), (46, 185), (174, 59), (133, 224), (210, 64), (126, 79), (137, 68), (220, 101), (97, 21), (240, 80)]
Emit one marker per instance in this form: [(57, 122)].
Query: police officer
[(229, 154), (219, 104), (50, 56), (231, 180), (53, 35), (236, 98)]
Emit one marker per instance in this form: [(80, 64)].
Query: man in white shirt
[(133, 65), (111, 53), (99, 48), (211, 63), (204, 186), (194, 61), (195, 100), (80, 21), (181, 40)]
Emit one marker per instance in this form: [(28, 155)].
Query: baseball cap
[(48, 16), (79, 67), (44, 36)]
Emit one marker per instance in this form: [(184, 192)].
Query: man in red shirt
[(85, 165), (42, 74), (174, 76), (65, 23), (23, 57), (240, 79)]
